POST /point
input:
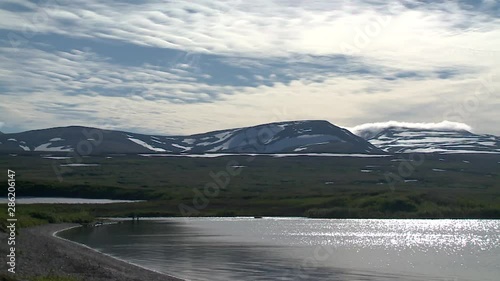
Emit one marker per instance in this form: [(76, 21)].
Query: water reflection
[(302, 249)]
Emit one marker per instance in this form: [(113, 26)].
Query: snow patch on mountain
[(144, 144), (223, 146), (25, 148), (188, 141), (181, 147), (47, 147)]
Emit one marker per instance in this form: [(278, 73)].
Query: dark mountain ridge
[(310, 136)]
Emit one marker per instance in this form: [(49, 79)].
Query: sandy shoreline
[(39, 253)]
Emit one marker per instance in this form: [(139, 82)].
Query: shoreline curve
[(41, 253)]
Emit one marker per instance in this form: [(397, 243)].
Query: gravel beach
[(39, 253)]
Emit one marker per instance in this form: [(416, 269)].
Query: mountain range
[(283, 137), (411, 140), (310, 136)]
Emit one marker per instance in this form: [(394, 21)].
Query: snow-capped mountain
[(412, 140), (282, 137)]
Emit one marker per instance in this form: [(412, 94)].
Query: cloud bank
[(181, 67), (370, 129)]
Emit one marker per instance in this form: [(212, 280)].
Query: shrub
[(332, 213), (47, 216), (398, 205)]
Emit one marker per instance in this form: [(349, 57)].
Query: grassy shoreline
[(441, 186), (346, 205)]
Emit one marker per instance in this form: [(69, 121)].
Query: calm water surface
[(304, 249)]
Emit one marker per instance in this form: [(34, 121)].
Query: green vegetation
[(4, 277), (43, 278), (322, 187), (11, 277), (54, 278), (32, 215)]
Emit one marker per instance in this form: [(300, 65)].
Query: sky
[(183, 67)]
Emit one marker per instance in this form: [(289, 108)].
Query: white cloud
[(85, 73), (374, 128), (273, 28), (79, 85), (340, 100)]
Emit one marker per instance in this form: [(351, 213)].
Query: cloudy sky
[(180, 67)]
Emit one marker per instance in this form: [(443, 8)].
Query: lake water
[(304, 249)]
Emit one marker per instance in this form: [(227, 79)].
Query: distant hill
[(282, 137), (411, 140)]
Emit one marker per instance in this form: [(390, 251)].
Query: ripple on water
[(283, 249)]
